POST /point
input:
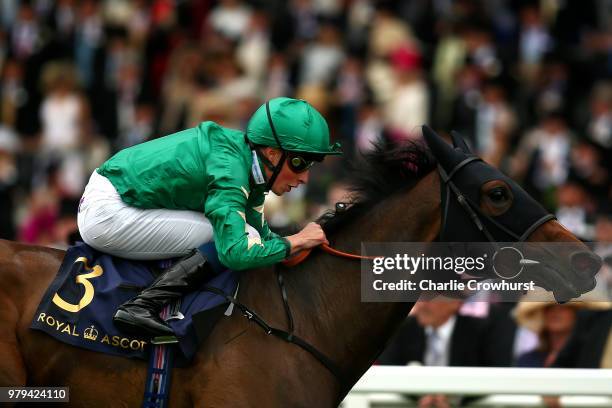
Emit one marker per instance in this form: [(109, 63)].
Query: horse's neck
[(352, 332)]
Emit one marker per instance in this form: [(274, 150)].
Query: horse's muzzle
[(585, 264)]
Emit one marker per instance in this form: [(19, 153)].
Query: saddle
[(78, 306)]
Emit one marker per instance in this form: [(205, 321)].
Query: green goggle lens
[(298, 164)]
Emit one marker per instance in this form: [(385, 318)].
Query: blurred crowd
[(528, 83)]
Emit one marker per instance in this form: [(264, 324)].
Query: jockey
[(165, 197)]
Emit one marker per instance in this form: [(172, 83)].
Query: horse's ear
[(459, 142), (443, 152), (436, 144)]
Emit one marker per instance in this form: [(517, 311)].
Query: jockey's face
[(287, 178)]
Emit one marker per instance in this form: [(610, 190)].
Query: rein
[(301, 256)]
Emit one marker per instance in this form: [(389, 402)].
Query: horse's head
[(480, 203)]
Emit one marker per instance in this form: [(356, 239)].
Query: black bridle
[(478, 218), (473, 210), (462, 176)]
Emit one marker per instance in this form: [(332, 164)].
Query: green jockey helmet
[(299, 127)]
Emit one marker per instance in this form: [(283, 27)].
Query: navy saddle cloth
[(78, 306)]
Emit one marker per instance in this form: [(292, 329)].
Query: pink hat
[(406, 58)]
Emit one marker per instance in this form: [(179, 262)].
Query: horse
[(398, 196)]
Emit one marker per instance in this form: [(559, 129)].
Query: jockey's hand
[(311, 236)]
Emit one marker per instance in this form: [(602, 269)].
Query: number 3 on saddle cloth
[(78, 306)]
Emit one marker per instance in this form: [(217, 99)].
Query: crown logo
[(91, 333)]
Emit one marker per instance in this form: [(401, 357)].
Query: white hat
[(529, 312)]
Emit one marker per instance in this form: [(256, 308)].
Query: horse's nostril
[(586, 264)]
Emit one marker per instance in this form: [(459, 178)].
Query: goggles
[(298, 164)]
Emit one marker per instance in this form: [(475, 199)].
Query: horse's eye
[(498, 195)]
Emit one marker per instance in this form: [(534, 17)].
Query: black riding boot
[(140, 315)]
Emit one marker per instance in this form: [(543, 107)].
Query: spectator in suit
[(436, 335)]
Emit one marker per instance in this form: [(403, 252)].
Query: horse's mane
[(384, 170)]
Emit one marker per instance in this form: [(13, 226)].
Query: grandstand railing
[(383, 386)]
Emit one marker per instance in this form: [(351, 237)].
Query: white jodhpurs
[(109, 225)]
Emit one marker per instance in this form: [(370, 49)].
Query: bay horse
[(398, 197)]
